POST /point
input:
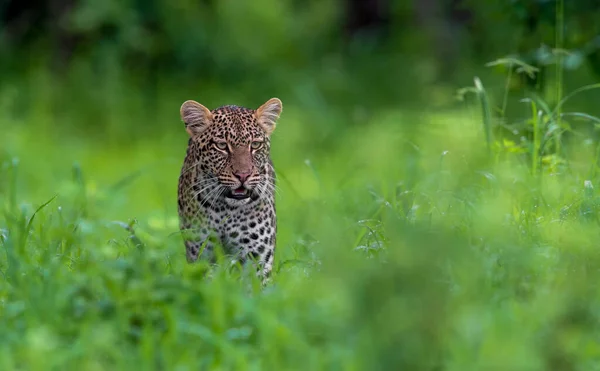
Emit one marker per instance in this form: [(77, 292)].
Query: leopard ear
[(268, 113), (195, 116)]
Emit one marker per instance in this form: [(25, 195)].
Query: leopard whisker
[(207, 198), (200, 183), (196, 194), (265, 195), (273, 187), (213, 193), (220, 189), (203, 190), (270, 186)]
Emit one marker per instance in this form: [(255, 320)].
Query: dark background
[(348, 53)]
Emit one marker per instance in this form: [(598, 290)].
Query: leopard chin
[(240, 196), (237, 202)]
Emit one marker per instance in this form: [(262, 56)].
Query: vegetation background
[(438, 176)]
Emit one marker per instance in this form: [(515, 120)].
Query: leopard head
[(233, 147)]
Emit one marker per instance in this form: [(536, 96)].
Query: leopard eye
[(221, 145), (256, 145)]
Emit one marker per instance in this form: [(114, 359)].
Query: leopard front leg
[(193, 249), (261, 250), (199, 243)]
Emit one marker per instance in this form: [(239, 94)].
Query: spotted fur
[(227, 182)]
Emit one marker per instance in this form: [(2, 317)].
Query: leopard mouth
[(239, 193)]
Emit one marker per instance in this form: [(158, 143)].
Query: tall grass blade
[(486, 111)]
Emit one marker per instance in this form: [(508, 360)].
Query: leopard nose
[(242, 176)]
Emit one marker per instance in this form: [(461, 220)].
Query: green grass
[(402, 243)]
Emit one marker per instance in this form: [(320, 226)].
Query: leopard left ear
[(268, 113), (195, 116)]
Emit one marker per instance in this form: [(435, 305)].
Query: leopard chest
[(249, 229)]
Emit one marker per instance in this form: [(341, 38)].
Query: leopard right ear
[(195, 116)]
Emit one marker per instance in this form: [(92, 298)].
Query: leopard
[(227, 184)]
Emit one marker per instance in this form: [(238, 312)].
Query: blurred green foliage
[(415, 231), (347, 53)]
